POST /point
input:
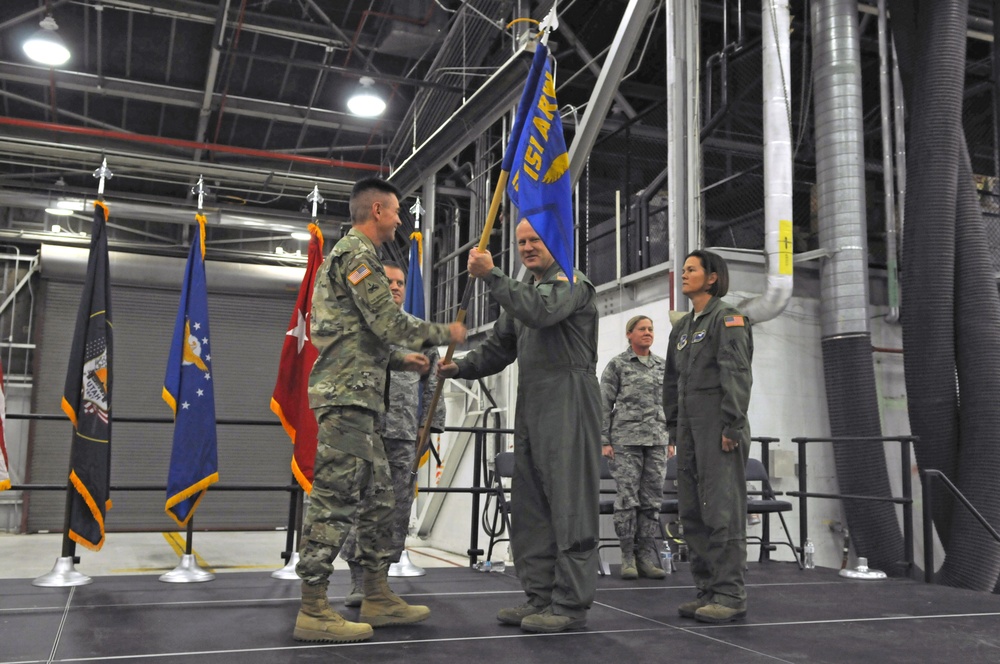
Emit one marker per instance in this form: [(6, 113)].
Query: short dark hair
[(713, 262), (390, 263), (361, 196)]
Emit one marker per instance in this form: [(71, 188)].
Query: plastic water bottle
[(667, 558), (809, 554), (490, 566)]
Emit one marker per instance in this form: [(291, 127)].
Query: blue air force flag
[(413, 302), (188, 391), (540, 182)]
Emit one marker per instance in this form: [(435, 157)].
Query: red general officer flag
[(290, 400)]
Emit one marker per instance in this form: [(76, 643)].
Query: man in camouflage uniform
[(353, 323), (551, 330), (400, 429), (634, 439)]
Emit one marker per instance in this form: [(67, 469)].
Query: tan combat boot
[(648, 560), (382, 607), (318, 622), (356, 595), (628, 570)]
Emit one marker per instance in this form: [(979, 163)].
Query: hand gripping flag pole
[(87, 403), (523, 111), (290, 399), (188, 390)]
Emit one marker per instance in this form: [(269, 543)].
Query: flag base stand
[(288, 571), (63, 575), (187, 572), (405, 567)]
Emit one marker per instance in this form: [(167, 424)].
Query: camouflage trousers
[(404, 483), (638, 471), (348, 490)]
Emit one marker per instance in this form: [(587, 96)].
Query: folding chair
[(765, 503), (503, 465)]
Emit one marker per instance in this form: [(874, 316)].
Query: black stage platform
[(246, 618)]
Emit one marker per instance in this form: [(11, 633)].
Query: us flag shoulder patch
[(734, 321), (359, 274)]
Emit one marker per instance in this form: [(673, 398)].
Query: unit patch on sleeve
[(734, 321), (363, 271)]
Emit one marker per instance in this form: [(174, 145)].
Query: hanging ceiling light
[(365, 102), (46, 46)]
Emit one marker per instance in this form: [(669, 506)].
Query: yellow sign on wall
[(785, 246)]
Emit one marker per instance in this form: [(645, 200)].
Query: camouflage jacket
[(354, 321), (632, 400), (408, 392)]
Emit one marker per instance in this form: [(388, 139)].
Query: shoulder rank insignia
[(699, 336), (682, 342), (734, 321), (363, 271)]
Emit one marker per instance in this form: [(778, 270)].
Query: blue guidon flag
[(537, 160), (188, 390)]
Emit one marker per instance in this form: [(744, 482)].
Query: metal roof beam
[(183, 97)]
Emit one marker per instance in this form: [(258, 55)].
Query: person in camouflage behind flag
[(634, 439), (354, 324), (400, 427)]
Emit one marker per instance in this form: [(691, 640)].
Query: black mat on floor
[(247, 618)]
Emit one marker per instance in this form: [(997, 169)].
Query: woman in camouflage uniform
[(634, 439)]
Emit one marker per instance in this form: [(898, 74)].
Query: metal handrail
[(925, 474), (906, 500)]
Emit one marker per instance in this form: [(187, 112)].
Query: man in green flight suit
[(354, 322), (550, 328)]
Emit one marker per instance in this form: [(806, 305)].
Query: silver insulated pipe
[(840, 181), (777, 167)]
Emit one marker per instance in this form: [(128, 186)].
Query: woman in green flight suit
[(706, 393)]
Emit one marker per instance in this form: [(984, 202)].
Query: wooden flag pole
[(425, 430)]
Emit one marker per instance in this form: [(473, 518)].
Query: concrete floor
[(30, 556)]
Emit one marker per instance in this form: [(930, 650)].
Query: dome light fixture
[(46, 46), (365, 103)]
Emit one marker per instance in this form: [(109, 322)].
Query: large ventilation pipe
[(852, 400), (950, 307), (777, 167)]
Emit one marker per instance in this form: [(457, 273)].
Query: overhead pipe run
[(778, 167), (190, 145)]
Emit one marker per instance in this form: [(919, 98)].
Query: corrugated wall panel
[(247, 333)]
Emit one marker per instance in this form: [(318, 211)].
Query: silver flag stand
[(288, 572), (295, 509), (188, 570), (63, 575), (405, 566)]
